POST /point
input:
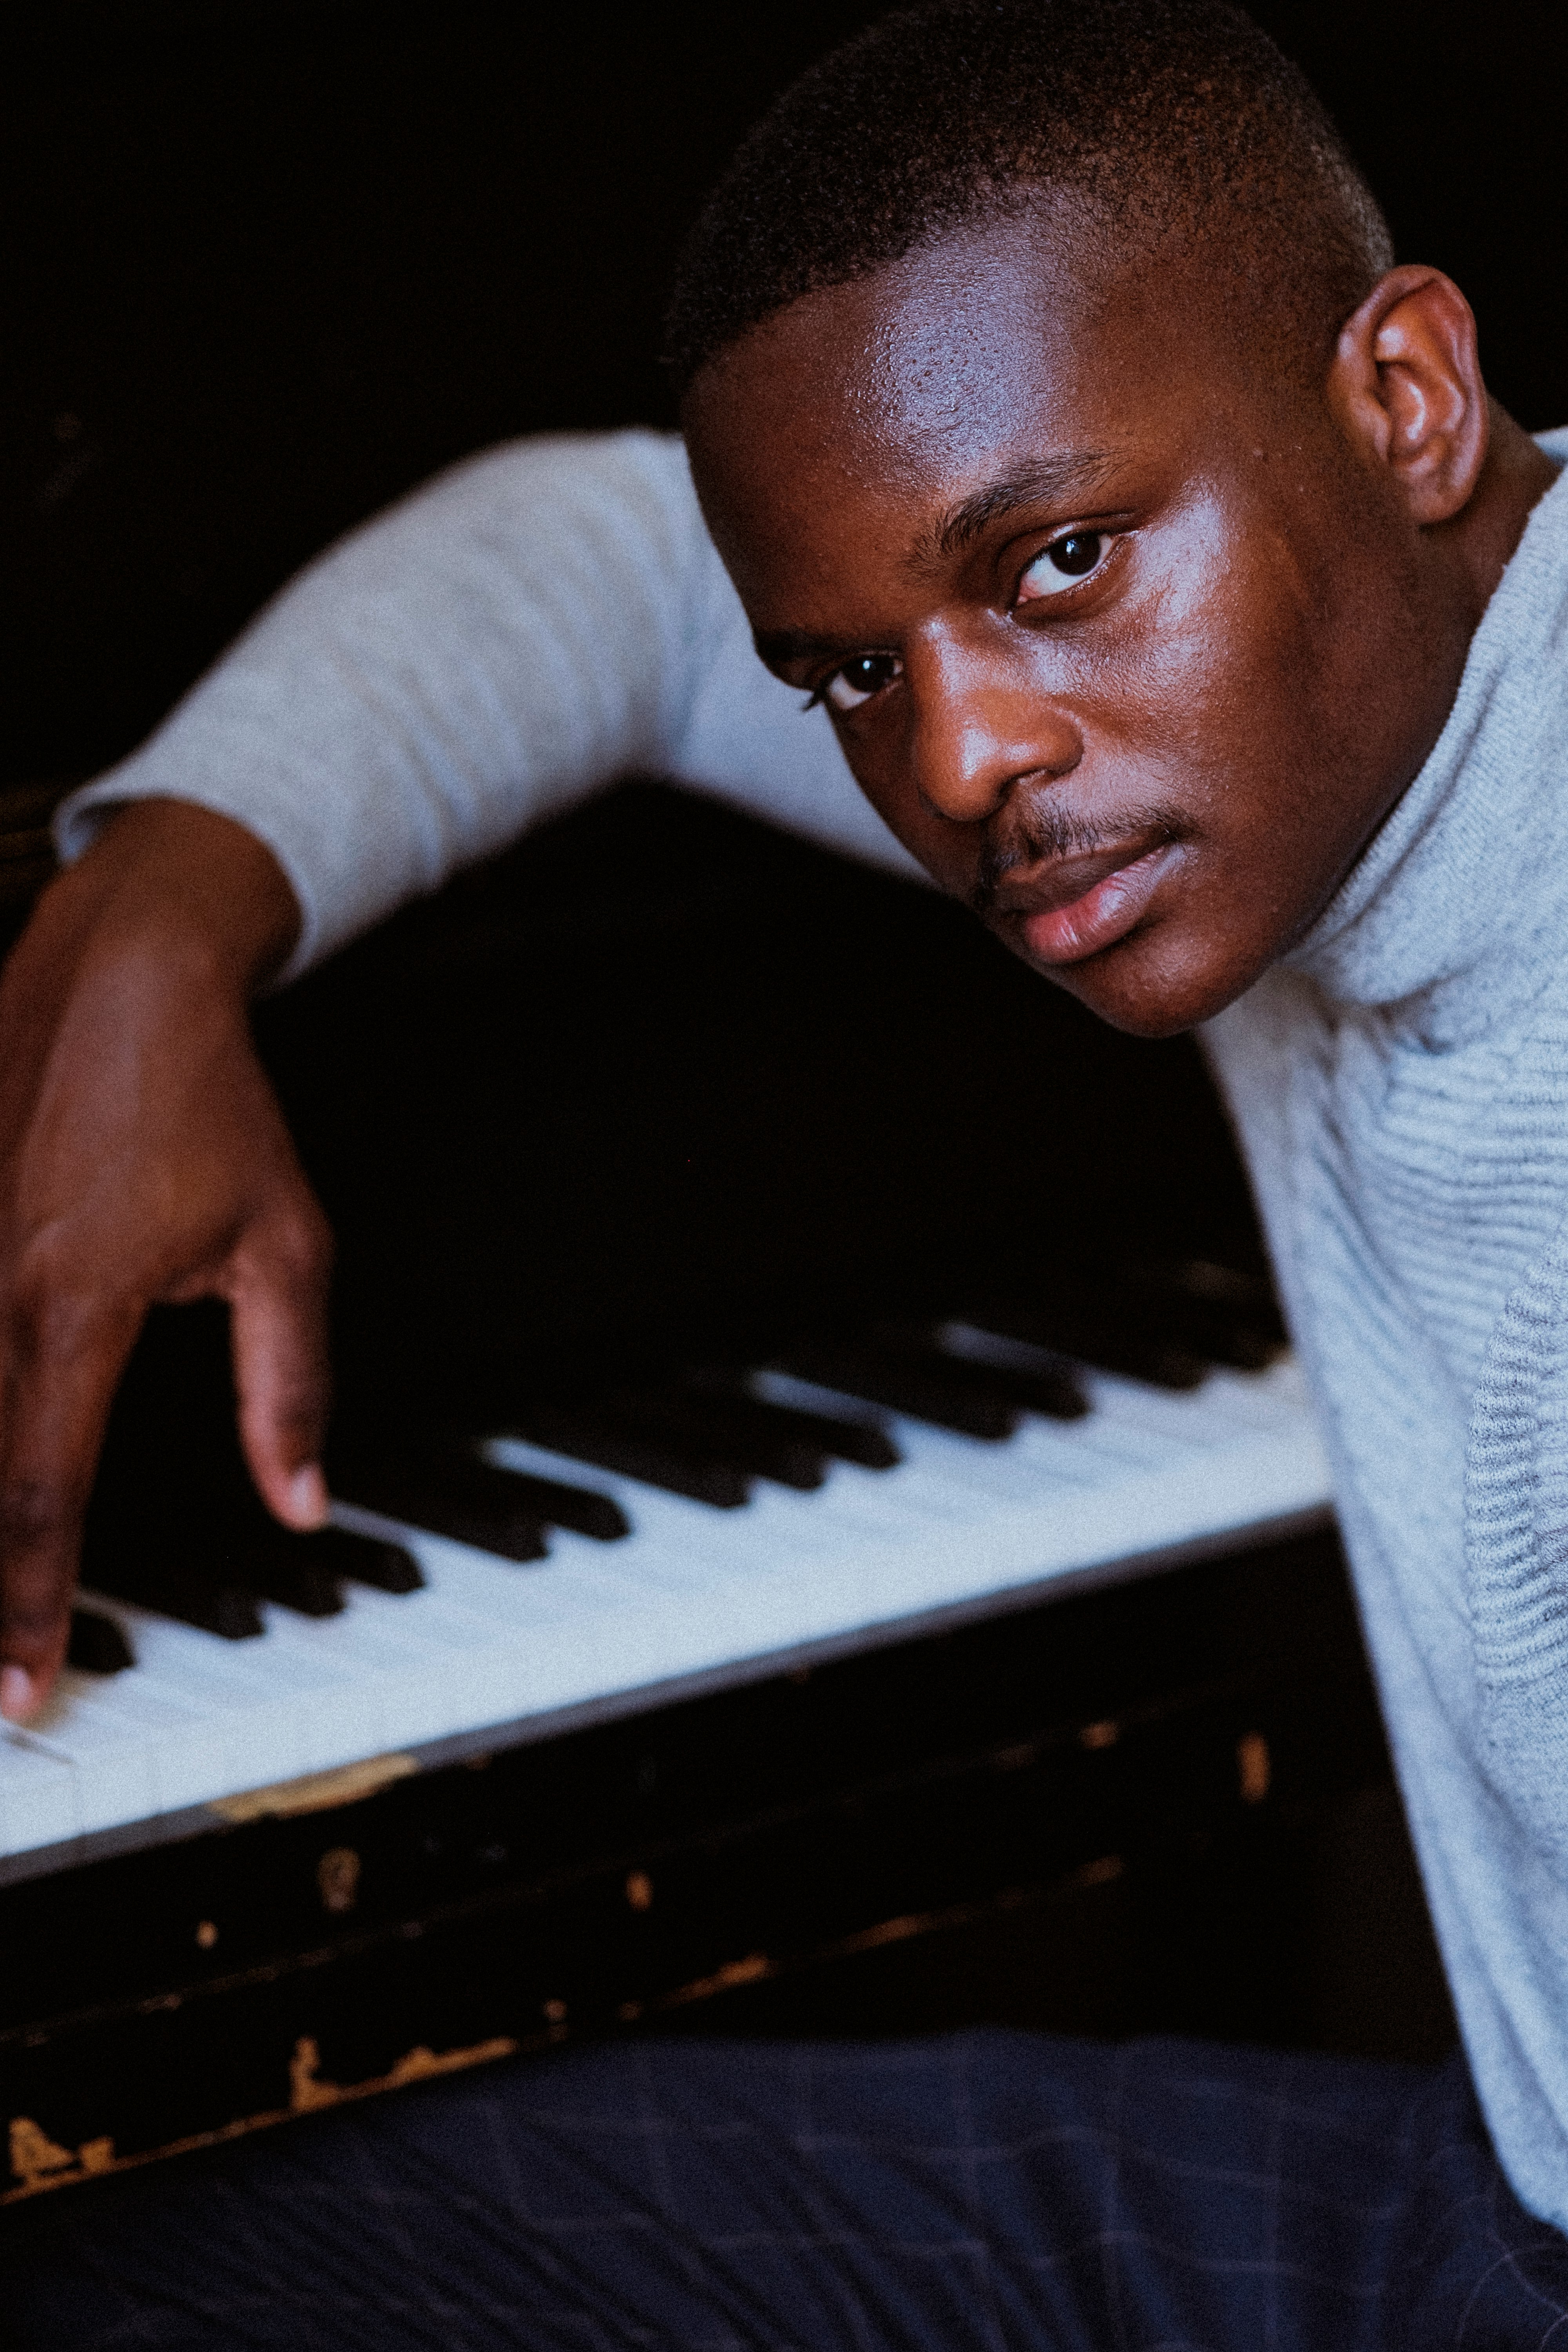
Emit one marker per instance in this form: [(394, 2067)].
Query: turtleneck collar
[(1444, 913)]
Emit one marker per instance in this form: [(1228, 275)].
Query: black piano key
[(228, 1534), (148, 1547), (228, 1609), (932, 1387), (446, 1495), (155, 1578), (452, 1467), (366, 1559), (586, 1512), (1235, 1345), (1106, 1328), (864, 1442), (506, 1530), (1055, 1395), (1052, 1390), (756, 1444), (97, 1645), (1238, 1291), (1222, 1312), (288, 1572), (577, 1430)]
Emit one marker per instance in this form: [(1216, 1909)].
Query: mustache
[(1050, 836)]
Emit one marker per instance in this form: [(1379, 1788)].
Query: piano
[(820, 1478)]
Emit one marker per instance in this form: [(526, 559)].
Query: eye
[(1062, 565), (857, 681)]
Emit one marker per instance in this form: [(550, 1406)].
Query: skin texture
[(1150, 778), (1148, 781)]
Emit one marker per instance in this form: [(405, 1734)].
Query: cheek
[(882, 764), (1224, 690)]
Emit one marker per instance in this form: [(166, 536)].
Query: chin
[(1148, 987)]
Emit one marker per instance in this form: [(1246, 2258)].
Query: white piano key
[(37, 1797), (230, 1735), (1227, 1403), (525, 1644), (1275, 1399), (108, 1751), (1023, 1470), (277, 1696), (134, 1716)]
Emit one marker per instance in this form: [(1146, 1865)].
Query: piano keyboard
[(488, 1652)]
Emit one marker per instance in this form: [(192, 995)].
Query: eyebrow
[(1052, 479)]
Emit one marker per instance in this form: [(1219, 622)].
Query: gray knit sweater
[(553, 614)]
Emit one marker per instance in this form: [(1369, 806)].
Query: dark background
[(270, 263)]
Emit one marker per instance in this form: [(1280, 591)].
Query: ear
[(1406, 384)]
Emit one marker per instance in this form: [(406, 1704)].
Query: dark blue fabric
[(1001, 2191)]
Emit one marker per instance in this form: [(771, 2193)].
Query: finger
[(65, 1361), (278, 1303)]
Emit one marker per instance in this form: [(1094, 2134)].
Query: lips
[(1079, 906)]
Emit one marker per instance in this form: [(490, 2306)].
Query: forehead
[(991, 349)]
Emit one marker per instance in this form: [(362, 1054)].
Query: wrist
[(180, 880)]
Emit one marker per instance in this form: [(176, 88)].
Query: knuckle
[(65, 1301), (59, 1317), (316, 1253), (35, 1515), (31, 1629), (300, 1245)]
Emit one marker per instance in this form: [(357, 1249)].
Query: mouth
[(1079, 906)]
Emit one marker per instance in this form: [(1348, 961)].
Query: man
[(1153, 558)]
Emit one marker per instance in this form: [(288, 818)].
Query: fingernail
[(16, 1696), (308, 1496)]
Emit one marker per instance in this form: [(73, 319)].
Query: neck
[(1453, 909), (1484, 534)]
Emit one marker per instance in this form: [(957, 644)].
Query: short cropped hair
[(1179, 121)]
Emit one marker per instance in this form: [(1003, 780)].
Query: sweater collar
[(1463, 891)]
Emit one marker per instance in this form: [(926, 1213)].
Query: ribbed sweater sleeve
[(526, 628)]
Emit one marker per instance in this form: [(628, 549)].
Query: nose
[(980, 730)]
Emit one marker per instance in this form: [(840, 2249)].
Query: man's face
[(1133, 650)]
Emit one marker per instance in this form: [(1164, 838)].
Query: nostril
[(977, 795)]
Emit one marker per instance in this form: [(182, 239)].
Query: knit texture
[(1517, 1539), (1401, 1086)]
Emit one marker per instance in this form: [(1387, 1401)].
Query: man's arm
[(145, 1159), (505, 641), (499, 644)]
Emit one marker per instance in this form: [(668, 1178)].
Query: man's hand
[(144, 1157)]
